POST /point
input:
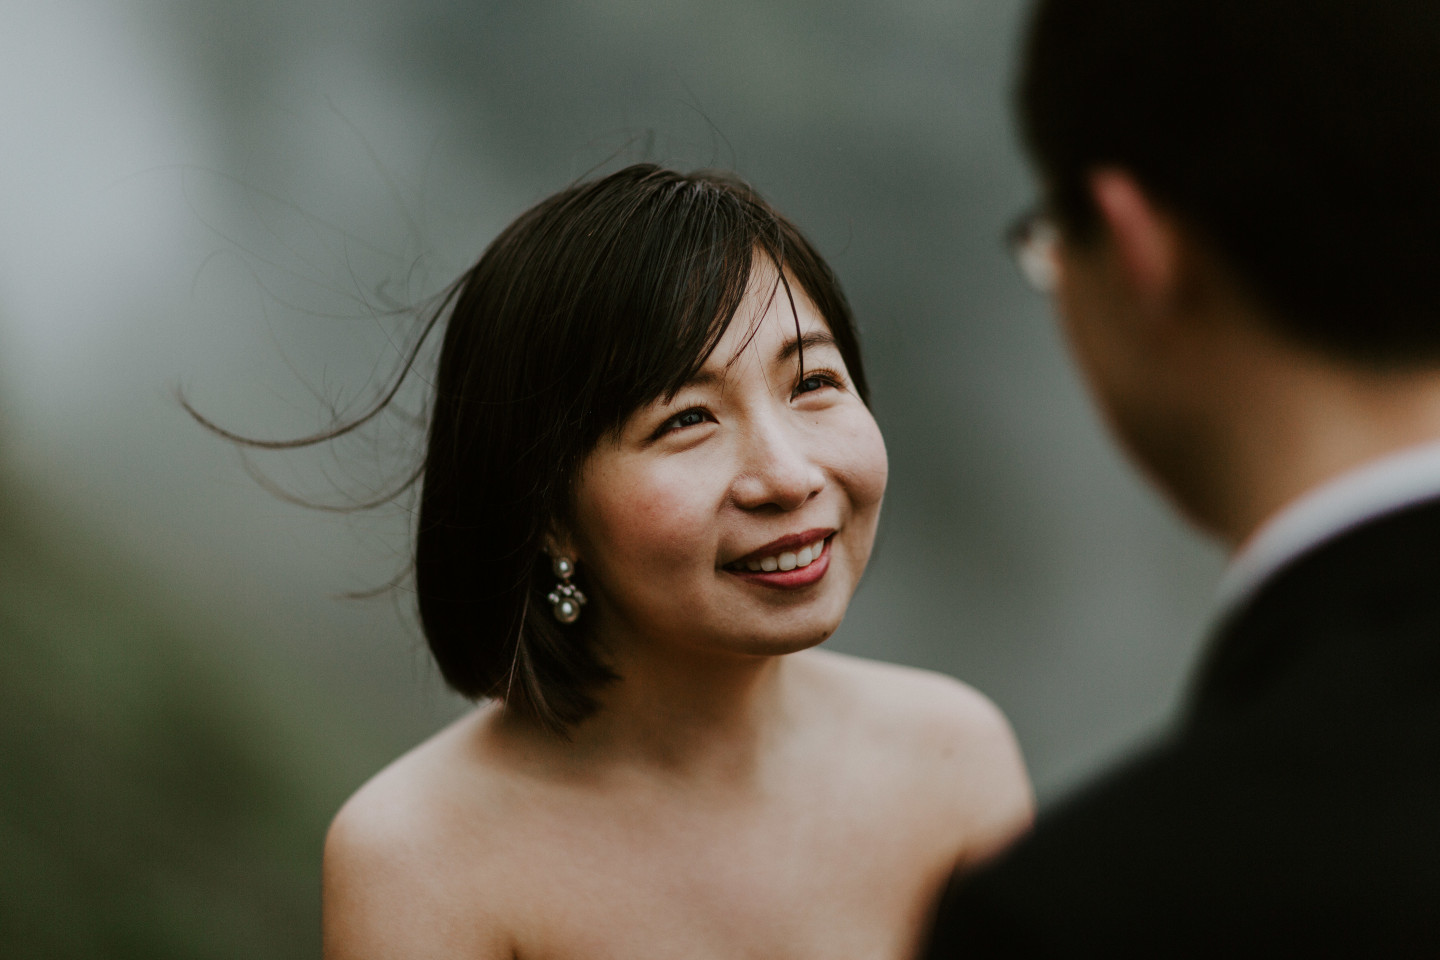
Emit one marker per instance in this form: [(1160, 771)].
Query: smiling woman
[(652, 483), (756, 461)]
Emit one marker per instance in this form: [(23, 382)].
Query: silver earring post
[(566, 599)]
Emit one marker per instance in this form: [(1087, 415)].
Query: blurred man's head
[(1248, 198), (1300, 137)]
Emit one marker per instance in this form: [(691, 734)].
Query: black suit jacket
[(1294, 810)]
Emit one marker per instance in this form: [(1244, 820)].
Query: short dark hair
[(600, 299), (1300, 137)]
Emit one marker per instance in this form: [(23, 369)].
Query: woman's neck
[(695, 716)]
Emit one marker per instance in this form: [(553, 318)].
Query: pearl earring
[(566, 599)]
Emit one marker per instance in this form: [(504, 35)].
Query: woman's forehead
[(772, 318)]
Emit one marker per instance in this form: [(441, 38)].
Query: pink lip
[(788, 579)]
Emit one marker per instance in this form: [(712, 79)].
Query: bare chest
[(836, 885)]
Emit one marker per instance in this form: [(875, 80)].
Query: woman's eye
[(817, 380), (689, 418)]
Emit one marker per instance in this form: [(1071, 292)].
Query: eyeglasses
[(1034, 240)]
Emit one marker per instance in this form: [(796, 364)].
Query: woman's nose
[(776, 470)]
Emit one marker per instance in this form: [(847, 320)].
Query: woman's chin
[(776, 632), (776, 643)]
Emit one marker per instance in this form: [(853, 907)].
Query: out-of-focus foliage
[(156, 800)]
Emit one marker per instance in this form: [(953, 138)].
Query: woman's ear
[(560, 543)]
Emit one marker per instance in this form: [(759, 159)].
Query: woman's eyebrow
[(704, 378), (815, 338)]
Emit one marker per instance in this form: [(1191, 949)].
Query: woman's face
[(739, 515)]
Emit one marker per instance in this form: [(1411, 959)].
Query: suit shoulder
[(1115, 862)]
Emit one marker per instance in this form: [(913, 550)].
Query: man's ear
[(1146, 241)]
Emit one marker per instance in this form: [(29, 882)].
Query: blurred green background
[(231, 197), (163, 792)]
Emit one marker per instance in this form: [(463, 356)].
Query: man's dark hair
[(602, 298), (1301, 138)]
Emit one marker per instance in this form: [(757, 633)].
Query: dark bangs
[(660, 288)]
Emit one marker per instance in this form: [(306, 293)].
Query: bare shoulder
[(400, 871), (929, 708), (956, 745)]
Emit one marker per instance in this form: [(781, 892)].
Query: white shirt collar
[(1389, 483)]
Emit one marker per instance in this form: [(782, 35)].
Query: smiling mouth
[(796, 568), (782, 560)]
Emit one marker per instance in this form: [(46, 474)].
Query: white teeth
[(788, 561)]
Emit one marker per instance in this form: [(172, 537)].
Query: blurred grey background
[(230, 197)]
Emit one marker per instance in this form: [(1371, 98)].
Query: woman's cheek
[(863, 467), (657, 517)]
